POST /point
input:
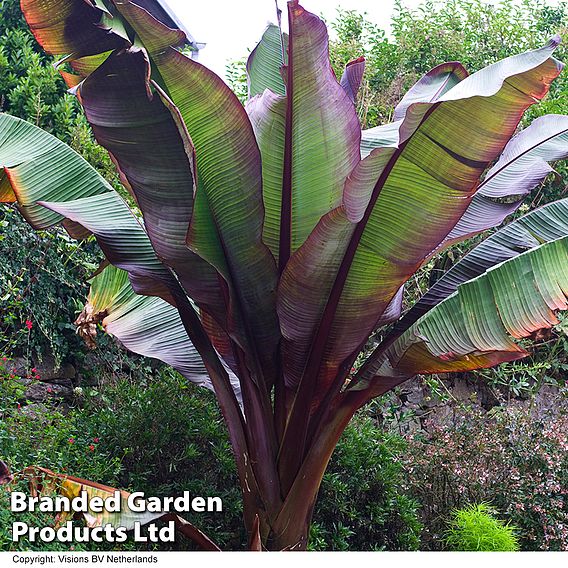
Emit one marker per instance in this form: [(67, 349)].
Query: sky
[(230, 28)]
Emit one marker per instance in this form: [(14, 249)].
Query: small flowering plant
[(513, 459)]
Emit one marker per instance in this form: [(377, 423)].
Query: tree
[(277, 238)]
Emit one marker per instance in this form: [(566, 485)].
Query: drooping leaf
[(542, 225), (71, 28), (226, 228), (398, 202), (477, 325), (352, 77), (521, 167), (135, 121), (52, 182), (46, 482), (145, 325)]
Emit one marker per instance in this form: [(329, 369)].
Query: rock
[(462, 391), (39, 391), (412, 392), (47, 370), (67, 383), (546, 400), (67, 371), (36, 410), (18, 366)]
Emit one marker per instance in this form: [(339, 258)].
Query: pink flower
[(34, 370), (96, 440), (92, 448), (71, 440), (29, 324)]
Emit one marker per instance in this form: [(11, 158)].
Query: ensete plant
[(271, 241)]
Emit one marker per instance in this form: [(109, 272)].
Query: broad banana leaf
[(542, 225), (399, 203), (264, 65), (522, 166), (309, 138), (227, 219), (142, 130), (145, 325), (73, 28), (51, 182), (477, 325), (46, 482)]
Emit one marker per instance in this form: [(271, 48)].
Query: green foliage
[(475, 528), (360, 504), (236, 75), (62, 443), (167, 452), (12, 15), (45, 436), (43, 282)]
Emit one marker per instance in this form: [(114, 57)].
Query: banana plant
[(270, 241)]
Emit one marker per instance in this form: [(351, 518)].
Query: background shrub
[(361, 504), (514, 459)]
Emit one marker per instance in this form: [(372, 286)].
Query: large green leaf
[(145, 325), (51, 182), (226, 228), (309, 139), (477, 325), (545, 224), (136, 122), (264, 65), (399, 203)]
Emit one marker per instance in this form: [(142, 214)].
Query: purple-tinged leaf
[(74, 28), (309, 140), (523, 165), (137, 123), (352, 77), (397, 203)]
